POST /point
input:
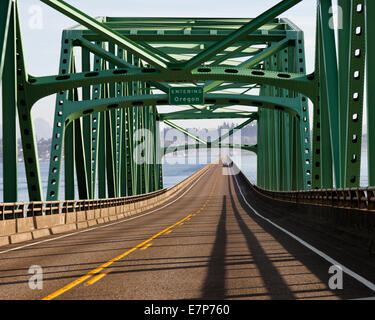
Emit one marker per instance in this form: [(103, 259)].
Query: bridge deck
[(207, 244)]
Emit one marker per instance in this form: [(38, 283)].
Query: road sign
[(186, 95)]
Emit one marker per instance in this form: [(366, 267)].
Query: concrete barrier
[(31, 228), (43, 222)]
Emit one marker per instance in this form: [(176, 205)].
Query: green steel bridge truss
[(115, 76)]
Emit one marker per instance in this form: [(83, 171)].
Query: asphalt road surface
[(207, 244)]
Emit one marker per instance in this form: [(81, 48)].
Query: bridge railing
[(31, 209), (358, 198), (350, 198), (347, 215)]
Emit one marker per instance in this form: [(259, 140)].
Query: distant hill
[(42, 128)]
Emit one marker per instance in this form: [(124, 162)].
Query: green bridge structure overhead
[(116, 72)]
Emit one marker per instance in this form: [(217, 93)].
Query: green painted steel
[(9, 97), (116, 77)]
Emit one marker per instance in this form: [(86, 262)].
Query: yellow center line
[(108, 263), (146, 246), (96, 278)]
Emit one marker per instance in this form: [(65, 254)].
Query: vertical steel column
[(316, 142), (60, 135), (95, 127), (300, 59), (7, 13), (24, 106), (9, 98), (370, 62), (87, 126), (357, 60), (326, 133), (69, 162), (344, 33), (329, 93), (113, 127)]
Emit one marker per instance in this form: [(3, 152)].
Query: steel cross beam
[(184, 131), (96, 133), (107, 32), (253, 61), (241, 32)]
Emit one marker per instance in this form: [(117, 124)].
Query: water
[(175, 169)]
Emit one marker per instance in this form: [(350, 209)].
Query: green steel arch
[(115, 74)]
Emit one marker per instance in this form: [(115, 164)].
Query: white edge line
[(106, 225), (364, 299), (349, 272)]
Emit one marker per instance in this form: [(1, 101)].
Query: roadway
[(214, 242)]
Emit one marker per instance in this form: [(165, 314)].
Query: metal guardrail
[(359, 198), (350, 198), (31, 209)]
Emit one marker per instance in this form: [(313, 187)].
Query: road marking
[(168, 232), (364, 299), (349, 272), (146, 246), (106, 225), (108, 263), (96, 278)]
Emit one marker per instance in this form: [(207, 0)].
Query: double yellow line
[(96, 276), (107, 264)]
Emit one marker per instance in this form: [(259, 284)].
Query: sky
[(42, 28)]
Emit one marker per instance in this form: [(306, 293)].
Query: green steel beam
[(75, 110), (184, 131), (357, 61), (330, 73), (135, 57), (107, 32), (62, 135), (232, 131), (343, 72), (24, 105), (44, 86), (115, 60), (253, 61), (6, 17), (9, 100), (241, 32), (370, 49)]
